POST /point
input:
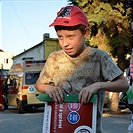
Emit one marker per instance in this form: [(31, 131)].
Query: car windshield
[(31, 77)]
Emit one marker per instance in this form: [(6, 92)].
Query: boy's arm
[(119, 84), (40, 86), (54, 92)]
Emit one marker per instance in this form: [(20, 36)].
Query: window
[(6, 61), (31, 77)]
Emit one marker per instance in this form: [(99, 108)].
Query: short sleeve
[(109, 69), (47, 71)]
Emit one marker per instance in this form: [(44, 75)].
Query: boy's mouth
[(68, 50)]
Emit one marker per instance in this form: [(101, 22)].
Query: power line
[(21, 22)]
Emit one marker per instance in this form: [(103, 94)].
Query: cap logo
[(65, 13)]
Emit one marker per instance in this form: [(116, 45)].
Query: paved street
[(31, 122), (12, 122), (116, 123)]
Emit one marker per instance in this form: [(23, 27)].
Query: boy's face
[(72, 41)]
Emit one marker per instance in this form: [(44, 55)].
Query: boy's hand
[(87, 92), (55, 93)]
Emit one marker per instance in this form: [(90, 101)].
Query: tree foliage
[(110, 23)]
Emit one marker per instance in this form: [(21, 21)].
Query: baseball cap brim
[(64, 22)]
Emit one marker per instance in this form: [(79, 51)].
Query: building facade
[(36, 53), (5, 62), (40, 51)]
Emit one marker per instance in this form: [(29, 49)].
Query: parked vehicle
[(20, 85)]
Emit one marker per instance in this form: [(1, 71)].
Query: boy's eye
[(60, 37), (70, 36)]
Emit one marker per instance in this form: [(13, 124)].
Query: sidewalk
[(125, 113)]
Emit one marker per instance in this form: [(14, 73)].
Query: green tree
[(110, 25)]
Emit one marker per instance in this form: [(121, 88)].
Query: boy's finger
[(55, 97), (60, 93), (58, 96), (81, 100), (89, 97)]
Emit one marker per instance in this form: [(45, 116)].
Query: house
[(5, 62), (39, 51), (36, 52)]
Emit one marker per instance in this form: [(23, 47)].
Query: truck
[(20, 85)]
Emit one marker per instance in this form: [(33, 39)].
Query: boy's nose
[(65, 43)]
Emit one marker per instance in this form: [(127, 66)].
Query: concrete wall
[(6, 60)]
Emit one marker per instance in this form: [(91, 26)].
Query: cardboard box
[(70, 116)]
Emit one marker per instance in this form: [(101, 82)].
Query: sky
[(23, 23)]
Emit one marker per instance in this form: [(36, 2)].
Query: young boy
[(78, 68)]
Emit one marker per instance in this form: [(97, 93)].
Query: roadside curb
[(126, 114)]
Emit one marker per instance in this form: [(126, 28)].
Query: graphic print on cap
[(65, 13)]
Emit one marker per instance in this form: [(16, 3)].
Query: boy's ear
[(87, 32)]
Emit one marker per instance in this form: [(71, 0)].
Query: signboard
[(70, 117)]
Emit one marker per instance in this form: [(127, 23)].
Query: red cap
[(70, 16)]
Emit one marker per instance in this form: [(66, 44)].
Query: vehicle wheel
[(4, 105), (20, 107)]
